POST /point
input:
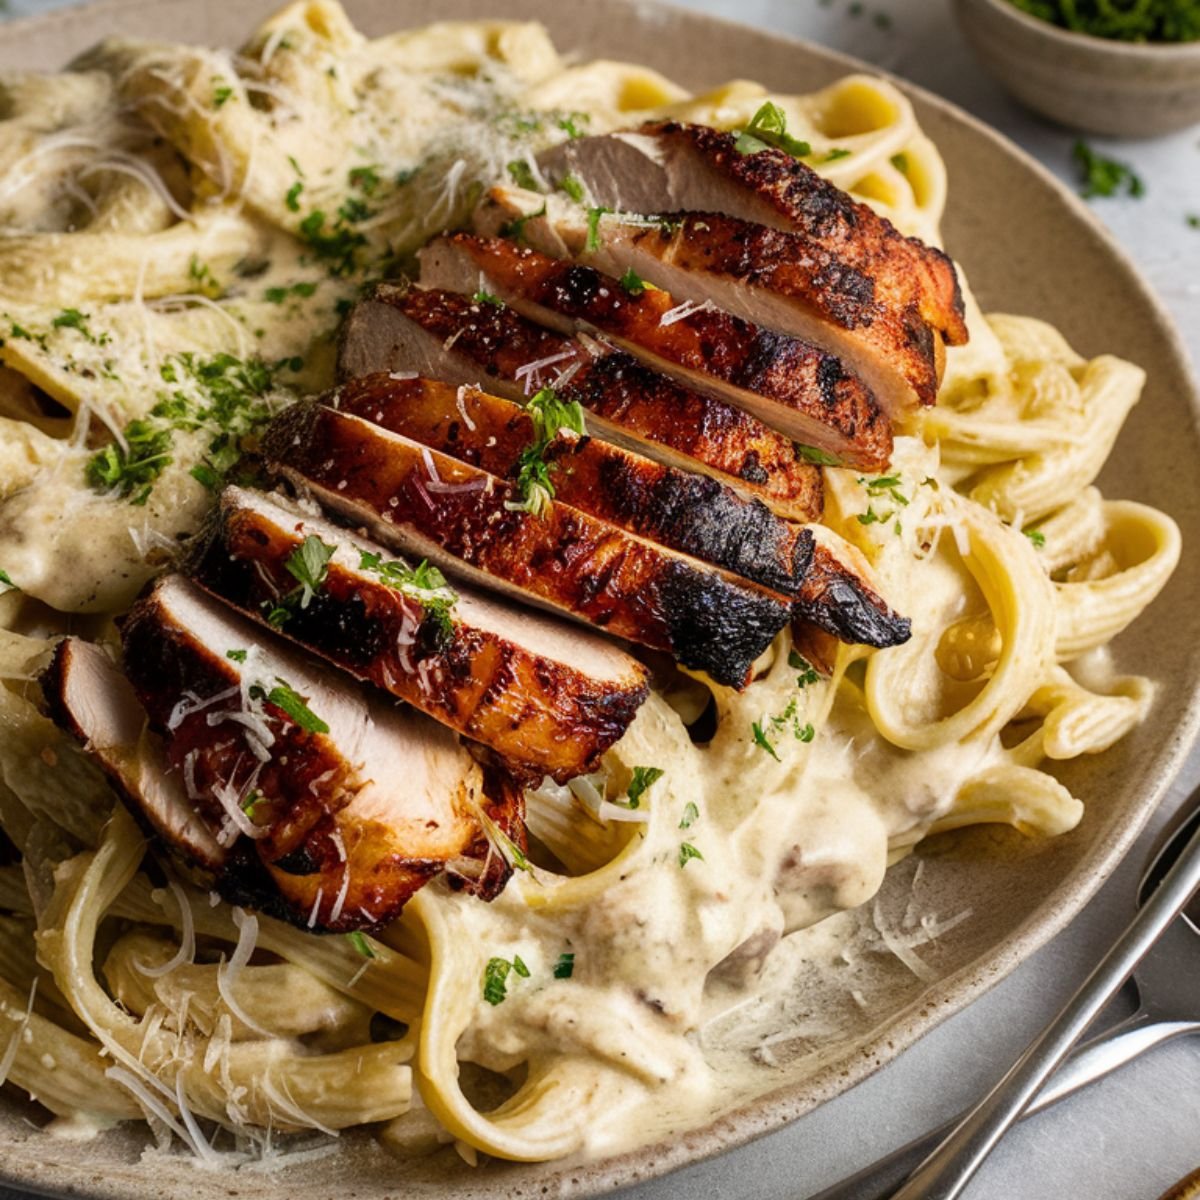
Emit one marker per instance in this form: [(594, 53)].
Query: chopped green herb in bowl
[(1123, 68), (1125, 20)]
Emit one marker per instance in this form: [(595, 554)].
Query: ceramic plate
[(1028, 246)]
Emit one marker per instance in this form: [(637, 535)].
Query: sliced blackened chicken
[(477, 525), (317, 800), (545, 695), (674, 508), (457, 338), (760, 274), (847, 250), (451, 336), (790, 385), (837, 599), (91, 700), (685, 511)]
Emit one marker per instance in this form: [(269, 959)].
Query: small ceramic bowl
[(1099, 85)]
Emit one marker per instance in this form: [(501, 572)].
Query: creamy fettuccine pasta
[(181, 230)]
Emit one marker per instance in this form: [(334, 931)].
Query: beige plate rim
[(774, 1109)]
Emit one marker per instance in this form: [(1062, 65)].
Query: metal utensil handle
[(1089, 1062), (945, 1173), (1105, 1054)]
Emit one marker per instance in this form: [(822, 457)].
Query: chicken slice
[(450, 336), (477, 525), (754, 272), (545, 695), (788, 384), (678, 509), (316, 801), (849, 249), (91, 700), (840, 599)]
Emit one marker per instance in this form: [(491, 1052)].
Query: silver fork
[(1168, 1007)]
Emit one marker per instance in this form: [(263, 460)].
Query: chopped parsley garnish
[(308, 564), (690, 815), (1100, 176), (687, 852), (819, 458), (1192, 220), (132, 469), (366, 179), (634, 284), (72, 318), (886, 487), (767, 129), (222, 93), (593, 227), (509, 850), (288, 700), (1037, 537), (485, 297), (495, 977), (358, 940), (522, 175), (222, 396), (292, 199), (206, 283), (900, 162), (238, 656), (423, 583), (836, 153), (773, 727), (762, 741), (251, 802), (643, 779), (515, 228), (277, 295), (571, 122), (352, 210), (808, 673), (336, 243), (573, 187), (207, 477), (550, 415), (20, 333), (565, 967), (7, 584)]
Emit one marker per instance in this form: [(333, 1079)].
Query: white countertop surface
[(1133, 1135)]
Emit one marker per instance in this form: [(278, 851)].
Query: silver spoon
[(1168, 1007)]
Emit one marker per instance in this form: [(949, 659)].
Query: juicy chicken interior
[(677, 509), (449, 335), (477, 525), (802, 391), (760, 274), (848, 267), (546, 696), (680, 509), (295, 790)]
